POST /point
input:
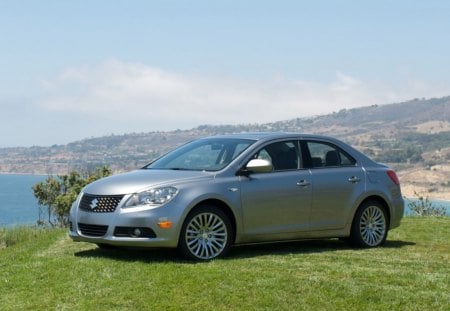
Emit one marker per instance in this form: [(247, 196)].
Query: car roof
[(270, 135)]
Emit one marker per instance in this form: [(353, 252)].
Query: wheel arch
[(224, 207)]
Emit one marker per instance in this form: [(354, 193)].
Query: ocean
[(18, 206)]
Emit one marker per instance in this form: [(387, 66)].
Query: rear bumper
[(397, 212)]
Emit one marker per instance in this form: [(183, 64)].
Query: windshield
[(210, 154)]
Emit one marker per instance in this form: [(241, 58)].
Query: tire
[(206, 234), (370, 225)]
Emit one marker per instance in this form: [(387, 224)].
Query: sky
[(71, 70)]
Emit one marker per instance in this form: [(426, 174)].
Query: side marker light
[(165, 224)]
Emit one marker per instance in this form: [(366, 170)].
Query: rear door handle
[(354, 179), (303, 183)]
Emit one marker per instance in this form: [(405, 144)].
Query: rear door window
[(321, 154)]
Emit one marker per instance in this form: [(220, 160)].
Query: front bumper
[(134, 227)]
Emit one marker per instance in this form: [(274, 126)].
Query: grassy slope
[(412, 273)]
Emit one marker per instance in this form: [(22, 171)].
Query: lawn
[(411, 272)]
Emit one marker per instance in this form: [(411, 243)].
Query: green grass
[(20, 234), (412, 272)]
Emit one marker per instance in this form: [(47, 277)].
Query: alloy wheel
[(206, 235), (372, 225)]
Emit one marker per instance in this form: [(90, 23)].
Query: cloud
[(161, 99)]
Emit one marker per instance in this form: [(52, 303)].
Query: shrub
[(422, 206), (55, 195)]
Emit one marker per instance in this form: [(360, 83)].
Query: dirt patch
[(433, 182), (433, 127)]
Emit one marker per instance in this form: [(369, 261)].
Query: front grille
[(92, 230), (134, 232), (100, 203)]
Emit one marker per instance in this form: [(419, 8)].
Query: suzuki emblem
[(93, 204)]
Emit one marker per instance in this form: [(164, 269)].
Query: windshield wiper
[(172, 168), (182, 169)]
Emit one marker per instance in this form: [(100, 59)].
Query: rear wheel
[(206, 234), (370, 225)]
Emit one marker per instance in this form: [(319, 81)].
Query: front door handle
[(303, 183), (354, 179)]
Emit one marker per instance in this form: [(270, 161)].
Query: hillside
[(413, 137)]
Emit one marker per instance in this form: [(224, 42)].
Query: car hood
[(140, 180)]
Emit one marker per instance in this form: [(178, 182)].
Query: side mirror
[(259, 166)]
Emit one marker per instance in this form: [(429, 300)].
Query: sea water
[(18, 206)]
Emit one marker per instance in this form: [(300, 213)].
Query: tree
[(46, 193), (56, 195)]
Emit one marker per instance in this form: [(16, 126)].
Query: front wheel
[(206, 234), (370, 225)]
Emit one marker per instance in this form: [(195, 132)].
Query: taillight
[(393, 177)]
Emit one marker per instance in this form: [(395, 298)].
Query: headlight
[(153, 197)]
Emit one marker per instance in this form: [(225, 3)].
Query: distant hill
[(410, 135)]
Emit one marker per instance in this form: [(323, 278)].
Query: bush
[(424, 207), (55, 195)]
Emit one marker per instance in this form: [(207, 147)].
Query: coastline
[(25, 174), (409, 191)]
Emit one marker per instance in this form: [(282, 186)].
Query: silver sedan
[(215, 192)]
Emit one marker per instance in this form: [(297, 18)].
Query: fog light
[(136, 232)]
